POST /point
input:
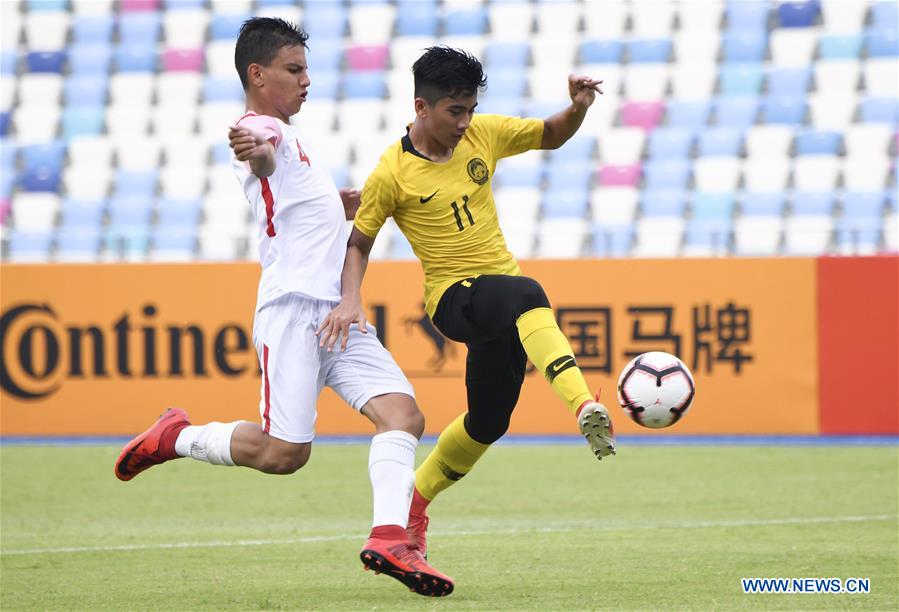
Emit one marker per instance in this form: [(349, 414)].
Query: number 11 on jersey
[(456, 214)]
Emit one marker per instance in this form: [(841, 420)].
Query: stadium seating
[(740, 127)]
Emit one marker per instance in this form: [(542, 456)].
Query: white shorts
[(295, 369)]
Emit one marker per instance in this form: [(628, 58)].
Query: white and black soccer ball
[(656, 389)]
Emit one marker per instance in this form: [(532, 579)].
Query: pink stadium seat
[(367, 57), (646, 115), (130, 6), (626, 176), (4, 209), (183, 60)]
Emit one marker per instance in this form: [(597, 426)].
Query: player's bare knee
[(395, 411), (287, 460)]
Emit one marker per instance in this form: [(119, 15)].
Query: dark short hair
[(444, 72), (259, 41)]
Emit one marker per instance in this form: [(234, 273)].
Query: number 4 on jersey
[(303, 157)]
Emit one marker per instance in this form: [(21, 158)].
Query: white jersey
[(300, 220)]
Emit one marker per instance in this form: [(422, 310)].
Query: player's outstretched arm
[(350, 309), (251, 146), (563, 125)]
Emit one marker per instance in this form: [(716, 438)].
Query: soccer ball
[(656, 389)]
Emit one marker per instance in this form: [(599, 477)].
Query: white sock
[(210, 442), (391, 467)]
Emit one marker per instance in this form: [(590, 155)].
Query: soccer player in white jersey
[(302, 244)]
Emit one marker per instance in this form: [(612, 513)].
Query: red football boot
[(389, 551), (154, 446), (418, 522)]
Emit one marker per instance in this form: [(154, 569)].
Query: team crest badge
[(478, 171)]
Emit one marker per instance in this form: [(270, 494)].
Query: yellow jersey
[(446, 210)]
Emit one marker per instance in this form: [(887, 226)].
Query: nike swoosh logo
[(559, 366), (425, 200)]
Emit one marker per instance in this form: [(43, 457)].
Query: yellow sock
[(452, 458), (549, 350)]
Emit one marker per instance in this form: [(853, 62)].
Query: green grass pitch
[(532, 528)]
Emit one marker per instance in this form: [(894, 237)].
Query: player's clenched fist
[(247, 144)]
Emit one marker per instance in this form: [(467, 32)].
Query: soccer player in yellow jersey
[(436, 182)]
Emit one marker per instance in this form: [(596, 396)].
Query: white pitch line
[(512, 531)]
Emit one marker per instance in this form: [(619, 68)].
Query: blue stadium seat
[(736, 111), (578, 149), (178, 212), (43, 178), (601, 51), (747, 15), (568, 175), (82, 121), (224, 89), (78, 240), (90, 58), (812, 203), (140, 28), (541, 110), (712, 206), (859, 233), (226, 26), (325, 55), (9, 154), (325, 85), (789, 81), (4, 123), (325, 19), (745, 46), (741, 79), (614, 241), (558, 203), (725, 141), (673, 142), (666, 174), (506, 55), (136, 183), (414, 18), (45, 61), (29, 244), (132, 57), (798, 14), (130, 211), (818, 143), (8, 179), (506, 83), (652, 51), (500, 105), (400, 247), (86, 90), (127, 239), (341, 177), (47, 5), (714, 234), (882, 43), (519, 176), (184, 4), (82, 213), (863, 203), (92, 29), (221, 153), (840, 46), (688, 113), (168, 238), (762, 204), (9, 61), (879, 110), (893, 197), (783, 110), (464, 22), (885, 14), (47, 155), (663, 202), (364, 84)]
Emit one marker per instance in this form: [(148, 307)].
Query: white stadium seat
[(808, 234), (185, 28), (866, 173), (183, 182), (700, 17), (652, 19), (46, 30), (39, 89), (658, 236), (371, 24), (174, 119), (517, 204), (831, 110), (217, 117), (613, 206), (766, 174), (716, 174), (35, 124), (843, 16), (882, 77), (867, 139), (793, 46), (558, 18), (35, 211), (86, 150), (10, 25), (220, 58), (836, 76), (561, 238), (697, 46), (511, 20), (816, 172), (623, 145), (137, 154), (769, 141), (88, 182), (133, 89), (693, 81), (605, 20), (179, 88), (758, 236), (126, 120), (645, 82)]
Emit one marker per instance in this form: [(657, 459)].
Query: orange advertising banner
[(103, 349)]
